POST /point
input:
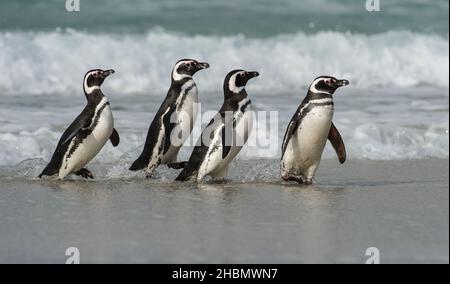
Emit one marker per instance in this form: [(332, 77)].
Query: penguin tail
[(48, 171), (139, 164), (185, 175)]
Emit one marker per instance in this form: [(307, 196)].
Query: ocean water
[(397, 60)]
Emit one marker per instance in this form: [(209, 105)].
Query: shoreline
[(400, 207)]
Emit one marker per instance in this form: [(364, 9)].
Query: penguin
[(87, 134), (226, 134), (308, 131), (176, 116)]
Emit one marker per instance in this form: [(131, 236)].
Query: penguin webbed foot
[(297, 179), (85, 173), (150, 174), (177, 165)]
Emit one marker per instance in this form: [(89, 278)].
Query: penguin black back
[(180, 98), (152, 134), (84, 124)]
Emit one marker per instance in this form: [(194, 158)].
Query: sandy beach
[(400, 207)]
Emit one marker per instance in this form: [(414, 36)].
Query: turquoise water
[(256, 18)]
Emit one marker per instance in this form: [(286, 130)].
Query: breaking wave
[(36, 63)]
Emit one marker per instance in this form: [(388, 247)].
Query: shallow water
[(381, 124), (400, 207)]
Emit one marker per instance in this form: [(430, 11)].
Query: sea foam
[(54, 62)]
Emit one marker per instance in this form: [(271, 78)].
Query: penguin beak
[(106, 73), (202, 65), (341, 83), (251, 75)]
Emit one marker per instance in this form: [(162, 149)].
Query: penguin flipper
[(338, 144), (114, 138), (289, 131), (71, 133), (82, 122), (168, 128), (227, 137)]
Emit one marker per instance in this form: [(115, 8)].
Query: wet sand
[(400, 207)]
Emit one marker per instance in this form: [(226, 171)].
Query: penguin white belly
[(91, 145), (244, 126), (187, 112), (213, 157), (304, 151)]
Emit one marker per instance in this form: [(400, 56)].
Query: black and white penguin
[(226, 134), (309, 130), (174, 120), (87, 134)]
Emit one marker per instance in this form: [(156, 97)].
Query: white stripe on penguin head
[(232, 83), (314, 89), (90, 89), (177, 76)]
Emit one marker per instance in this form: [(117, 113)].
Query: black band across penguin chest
[(308, 108), (184, 94), (314, 100), (178, 92)]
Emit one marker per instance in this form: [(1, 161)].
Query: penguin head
[(94, 79), (327, 84), (236, 80), (186, 68)]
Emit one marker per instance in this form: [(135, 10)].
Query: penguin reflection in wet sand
[(309, 130), (225, 135), (87, 135), (177, 114)]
